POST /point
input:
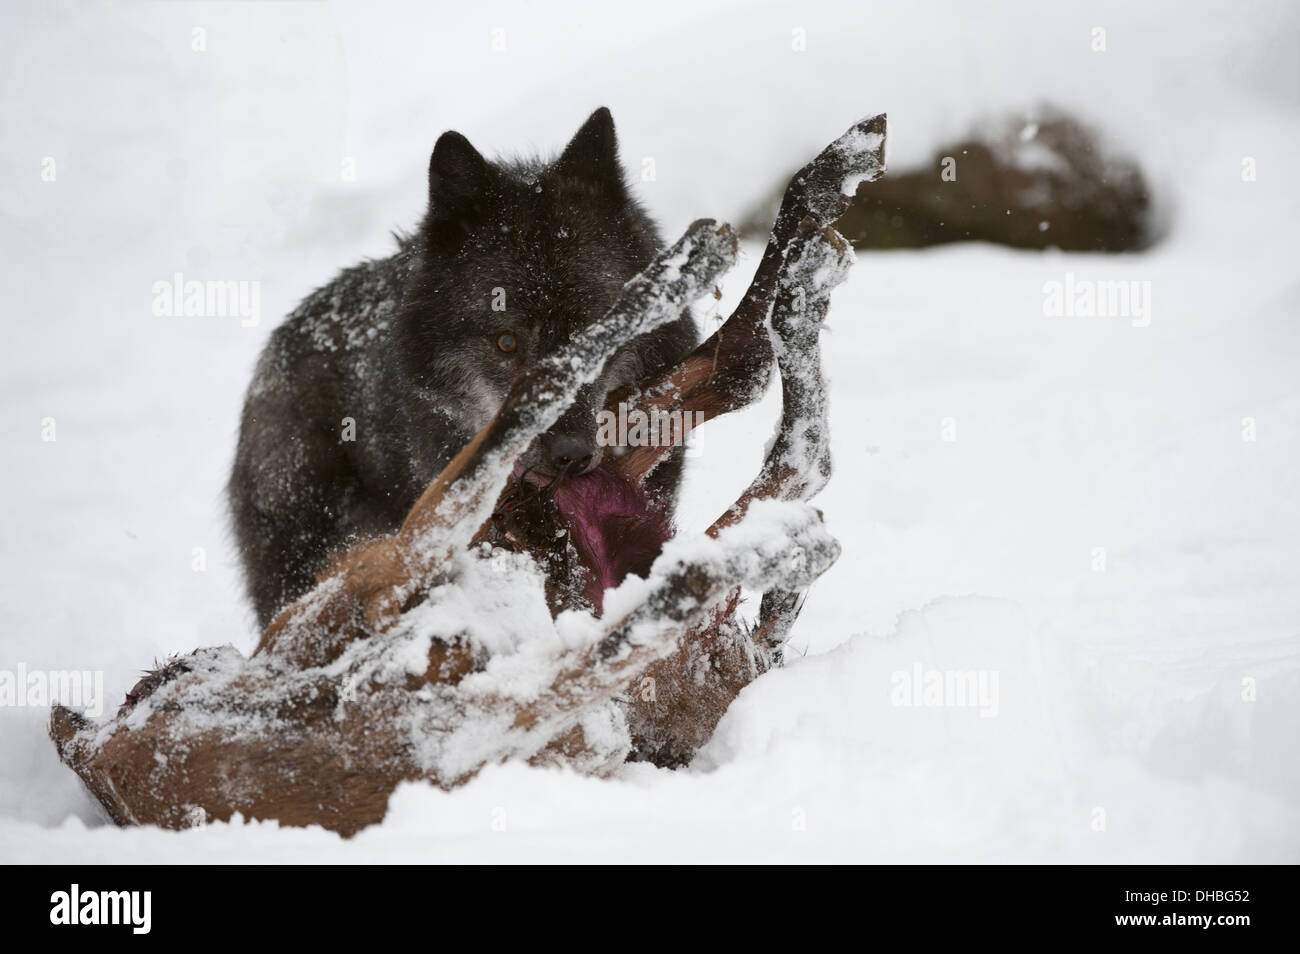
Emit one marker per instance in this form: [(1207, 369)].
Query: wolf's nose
[(566, 450)]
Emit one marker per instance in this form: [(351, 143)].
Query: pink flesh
[(615, 528)]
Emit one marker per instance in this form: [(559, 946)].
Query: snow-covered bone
[(781, 315), (798, 463), (732, 367)]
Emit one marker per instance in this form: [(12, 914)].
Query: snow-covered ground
[(1096, 516)]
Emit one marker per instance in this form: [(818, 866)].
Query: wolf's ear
[(458, 177), (592, 154)]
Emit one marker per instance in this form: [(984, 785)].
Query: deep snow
[(985, 450)]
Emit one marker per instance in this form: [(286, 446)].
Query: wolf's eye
[(507, 343)]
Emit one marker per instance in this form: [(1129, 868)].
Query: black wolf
[(378, 379)]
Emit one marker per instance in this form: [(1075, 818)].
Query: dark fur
[(407, 347)]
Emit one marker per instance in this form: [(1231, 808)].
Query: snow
[(1101, 513)]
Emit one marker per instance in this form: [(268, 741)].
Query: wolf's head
[(515, 258)]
